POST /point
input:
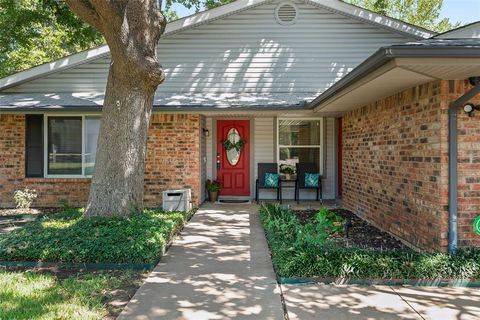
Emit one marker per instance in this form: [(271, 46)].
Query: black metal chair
[(260, 183), (302, 168)]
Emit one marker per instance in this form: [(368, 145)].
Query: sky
[(463, 11)]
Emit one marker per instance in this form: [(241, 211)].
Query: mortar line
[(398, 294), (282, 300)]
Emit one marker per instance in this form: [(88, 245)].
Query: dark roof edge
[(386, 54), (157, 108)]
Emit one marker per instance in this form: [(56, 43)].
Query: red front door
[(233, 158)]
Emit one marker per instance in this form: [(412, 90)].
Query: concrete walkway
[(330, 302), (220, 268)]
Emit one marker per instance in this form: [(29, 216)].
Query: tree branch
[(85, 10), (132, 29), (110, 11)]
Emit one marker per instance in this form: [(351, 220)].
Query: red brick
[(395, 164), (173, 161)]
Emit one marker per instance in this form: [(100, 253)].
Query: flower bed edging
[(85, 266), (466, 283)]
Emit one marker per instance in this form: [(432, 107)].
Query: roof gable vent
[(286, 13)]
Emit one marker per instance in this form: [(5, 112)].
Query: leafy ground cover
[(309, 250), (45, 295), (360, 232), (67, 237)]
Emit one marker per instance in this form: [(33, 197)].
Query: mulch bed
[(361, 233)]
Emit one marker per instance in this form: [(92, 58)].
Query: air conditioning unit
[(177, 200)]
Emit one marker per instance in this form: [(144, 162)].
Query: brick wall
[(172, 162), (468, 166), (173, 156), (395, 165), (12, 171), (392, 164)]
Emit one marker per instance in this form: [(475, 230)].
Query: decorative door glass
[(233, 155)]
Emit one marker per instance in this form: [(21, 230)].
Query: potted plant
[(288, 171), (213, 188)]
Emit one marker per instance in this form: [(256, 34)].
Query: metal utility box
[(177, 200)]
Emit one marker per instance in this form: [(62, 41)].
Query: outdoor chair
[(302, 169), (264, 168)]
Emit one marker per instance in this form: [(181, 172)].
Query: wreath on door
[(238, 145)]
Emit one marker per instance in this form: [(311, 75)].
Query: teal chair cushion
[(312, 180), (271, 180)]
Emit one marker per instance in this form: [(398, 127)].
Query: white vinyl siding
[(246, 52), (264, 150), (330, 156), (264, 143)]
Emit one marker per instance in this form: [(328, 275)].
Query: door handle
[(218, 161)]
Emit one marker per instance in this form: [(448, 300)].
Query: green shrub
[(213, 186), (65, 204), (285, 224), (331, 221), (67, 237), (306, 251)]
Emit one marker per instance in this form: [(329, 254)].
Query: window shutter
[(34, 145)]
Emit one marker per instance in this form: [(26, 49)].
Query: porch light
[(469, 108), (206, 132)]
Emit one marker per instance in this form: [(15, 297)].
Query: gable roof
[(397, 67), (471, 30), (335, 6)]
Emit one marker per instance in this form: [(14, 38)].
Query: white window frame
[(319, 146), (45, 144)]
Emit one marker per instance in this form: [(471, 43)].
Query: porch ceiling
[(395, 76)]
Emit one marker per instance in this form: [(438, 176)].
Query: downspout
[(452, 163)]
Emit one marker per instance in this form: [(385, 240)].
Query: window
[(300, 140), (92, 129), (70, 145)]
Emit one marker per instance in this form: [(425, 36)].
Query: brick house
[(363, 96)]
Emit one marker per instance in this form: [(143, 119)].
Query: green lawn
[(307, 251), (30, 295), (68, 237)]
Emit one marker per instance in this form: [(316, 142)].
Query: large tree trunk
[(118, 183), (132, 29)]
